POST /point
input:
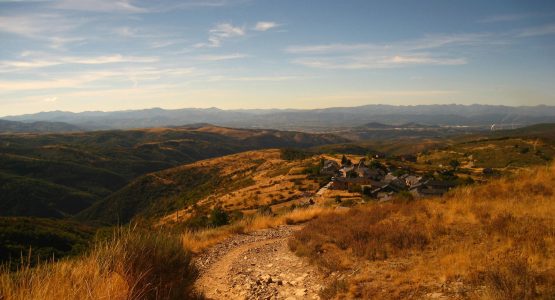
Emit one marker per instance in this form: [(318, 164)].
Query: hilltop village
[(376, 180)]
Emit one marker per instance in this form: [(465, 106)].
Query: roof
[(432, 192), (437, 183)]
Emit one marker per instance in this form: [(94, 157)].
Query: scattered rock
[(275, 266)]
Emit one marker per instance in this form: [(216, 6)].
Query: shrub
[(348, 203), (511, 277), (132, 264), (295, 154), (153, 264), (264, 210), (197, 222), (334, 288), (218, 217), (454, 163)]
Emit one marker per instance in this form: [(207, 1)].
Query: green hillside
[(45, 238), (23, 196)]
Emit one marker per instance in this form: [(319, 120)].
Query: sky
[(82, 55)]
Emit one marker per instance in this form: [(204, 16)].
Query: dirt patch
[(257, 265)]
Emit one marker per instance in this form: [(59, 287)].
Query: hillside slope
[(22, 196), (41, 239), (491, 241), (97, 164), (238, 182)]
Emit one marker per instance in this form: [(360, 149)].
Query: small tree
[(344, 160), (454, 164), (218, 217), (352, 174)]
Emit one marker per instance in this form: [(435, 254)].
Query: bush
[(338, 199), (348, 203), (154, 265), (511, 277), (295, 154), (131, 264), (218, 217), (454, 163), (264, 210)]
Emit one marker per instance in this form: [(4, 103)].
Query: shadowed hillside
[(58, 174), (39, 239)]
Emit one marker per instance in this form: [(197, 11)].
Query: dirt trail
[(257, 265)]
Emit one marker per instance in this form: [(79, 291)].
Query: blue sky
[(78, 55)]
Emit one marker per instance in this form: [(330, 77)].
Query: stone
[(436, 295)]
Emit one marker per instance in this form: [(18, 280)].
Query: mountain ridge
[(447, 115)]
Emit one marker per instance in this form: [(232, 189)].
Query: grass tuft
[(134, 264)]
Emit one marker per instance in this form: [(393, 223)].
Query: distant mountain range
[(38, 126), (313, 119), (410, 125)]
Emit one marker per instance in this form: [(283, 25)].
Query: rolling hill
[(53, 175), (237, 182)]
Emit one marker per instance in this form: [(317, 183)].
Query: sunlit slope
[(239, 182)]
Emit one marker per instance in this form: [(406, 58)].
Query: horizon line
[(279, 109)]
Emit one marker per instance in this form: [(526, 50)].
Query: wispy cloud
[(221, 57), (31, 61), (50, 99), (429, 50), (253, 78), (264, 26), (53, 28), (377, 62), (85, 79), (37, 25), (547, 29), (49, 84), (109, 6), (506, 18), (220, 33), (170, 5), (126, 32)]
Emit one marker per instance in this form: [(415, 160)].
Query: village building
[(330, 167), (432, 188), (412, 180)]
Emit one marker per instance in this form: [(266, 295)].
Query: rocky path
[(257, 265)]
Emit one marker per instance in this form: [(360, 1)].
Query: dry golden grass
[(133, 265), (267, 180), (494, 241), (199, 240)]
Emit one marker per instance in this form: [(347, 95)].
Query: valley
[(280, 214), (277, 150)]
